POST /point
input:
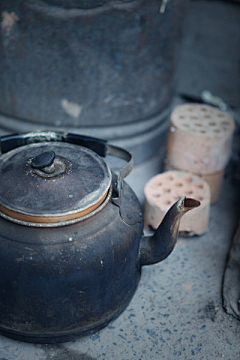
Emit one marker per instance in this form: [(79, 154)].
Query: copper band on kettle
[(26, 218)]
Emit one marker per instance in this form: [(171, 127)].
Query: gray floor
[(177, 308)]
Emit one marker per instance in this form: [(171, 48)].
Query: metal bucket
[(102, 68)]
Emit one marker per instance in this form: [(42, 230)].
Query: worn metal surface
[(80, 68), (56, 284), (86, 272), (105, 68), (84, 181), (61, 191)]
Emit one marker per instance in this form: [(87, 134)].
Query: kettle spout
[(157, 247)]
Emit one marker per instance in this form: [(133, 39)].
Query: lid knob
[(44, 162)]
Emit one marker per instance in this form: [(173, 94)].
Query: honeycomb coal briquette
[(213, 180), (199, 138), (164, 189)]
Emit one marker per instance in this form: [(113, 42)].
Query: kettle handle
[(101, 147)]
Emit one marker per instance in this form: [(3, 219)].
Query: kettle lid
[(52, 183)]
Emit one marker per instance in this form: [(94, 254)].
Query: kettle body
[(71, 233), (60, 283)]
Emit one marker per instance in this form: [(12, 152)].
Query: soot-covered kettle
[(71, 236)]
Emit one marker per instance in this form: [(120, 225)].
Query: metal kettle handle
[(101, 147)]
